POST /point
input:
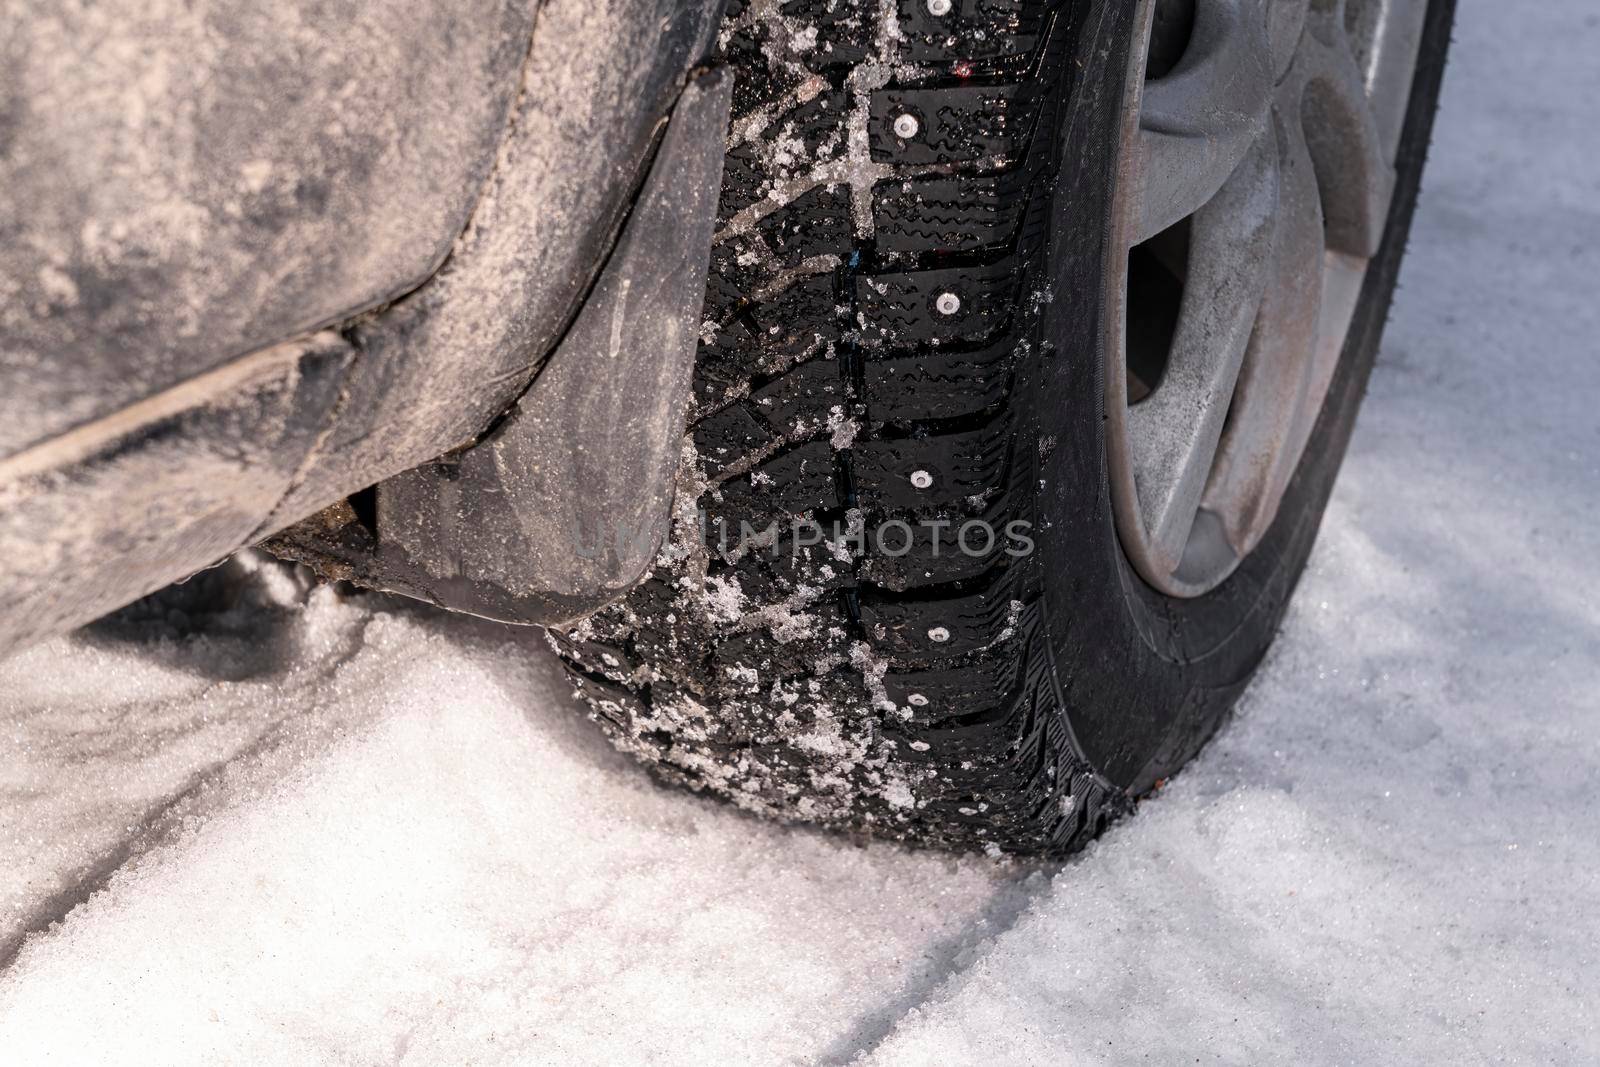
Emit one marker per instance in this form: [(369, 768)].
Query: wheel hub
[(1255, 177)]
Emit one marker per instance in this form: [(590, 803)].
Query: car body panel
[(258, 372)]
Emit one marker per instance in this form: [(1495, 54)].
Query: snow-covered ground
[(364, 832)]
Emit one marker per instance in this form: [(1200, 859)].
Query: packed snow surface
[(260, 823)]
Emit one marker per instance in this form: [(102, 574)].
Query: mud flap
[(561, 507)]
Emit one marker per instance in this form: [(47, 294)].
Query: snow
[(302, 828), (418, 849)]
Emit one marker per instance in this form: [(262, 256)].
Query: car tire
[(904, 331)]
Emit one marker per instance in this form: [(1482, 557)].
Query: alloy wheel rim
[(1255, 176)]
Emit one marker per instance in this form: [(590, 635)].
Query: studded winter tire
[(1035, 334)]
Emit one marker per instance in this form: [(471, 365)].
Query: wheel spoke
[(1174, 433), (1342, 133), (1252, 466), (1286, 22), (1197, 122)]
